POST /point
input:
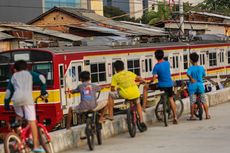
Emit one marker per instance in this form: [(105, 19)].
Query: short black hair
[(159, 54), (119, 65), (84, 76), (20, 65), (194, 57)]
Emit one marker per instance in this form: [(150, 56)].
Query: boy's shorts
[(100, 105), (193, 98), (116, 95), (27, 111)]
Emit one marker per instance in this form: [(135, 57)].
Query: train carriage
[(61, 67)]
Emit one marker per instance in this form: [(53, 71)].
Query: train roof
[(62, 50), (104, 48)]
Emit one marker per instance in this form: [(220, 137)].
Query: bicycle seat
[(16, 124)]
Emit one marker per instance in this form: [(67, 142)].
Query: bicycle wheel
[(130, 122), (179, 106), (98, 130), (140, 128), (198, 111), (13, 144), (159, 110), (44, 141), (89, 133), (165, 112)]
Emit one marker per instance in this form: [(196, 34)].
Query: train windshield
[(40, 62)]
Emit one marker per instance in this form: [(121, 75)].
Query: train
[(61, 67)]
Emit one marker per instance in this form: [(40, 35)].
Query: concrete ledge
[(219, 96), (65, 139)]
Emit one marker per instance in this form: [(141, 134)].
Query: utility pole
[(181, 11)]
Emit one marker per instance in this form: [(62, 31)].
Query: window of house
[(212, 59), (98, 73), (134, 66)]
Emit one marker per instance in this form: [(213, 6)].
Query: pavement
[(206, 136)]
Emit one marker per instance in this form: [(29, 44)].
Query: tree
[(111, 11), (215, 6), (152, 17)]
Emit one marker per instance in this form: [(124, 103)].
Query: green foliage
[(152, 17), (110, 11), (215, 6)]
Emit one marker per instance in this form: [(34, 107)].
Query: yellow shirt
[(125, 82)]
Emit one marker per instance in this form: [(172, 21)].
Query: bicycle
[(133, 118), (163, 109), (93, 127), (198, 107), (19, 140)]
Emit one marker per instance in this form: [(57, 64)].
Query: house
[(7, 42), (86, 23), (199, 23), (31, 36)]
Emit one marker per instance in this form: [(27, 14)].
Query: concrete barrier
[(66, 139)]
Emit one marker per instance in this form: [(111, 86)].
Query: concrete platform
[(66, 139)]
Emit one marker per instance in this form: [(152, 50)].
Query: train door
[(76, 68), (202, 59), (147, 66), (62, 85), (174, 60)]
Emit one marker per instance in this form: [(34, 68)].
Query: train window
[(45, 69), (212, 59), (61, 75), (79, 71), (5, 74), (175, 62), (5, 57), (146, 65), (202, 59), (228, 57), (98, 73), (134, 66), (185, 57), (150, 65), (221, 57)]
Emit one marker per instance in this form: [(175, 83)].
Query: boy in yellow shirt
[(124, 82)]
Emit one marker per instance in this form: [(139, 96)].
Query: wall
[(57, 18)]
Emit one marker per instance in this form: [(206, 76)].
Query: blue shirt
[(197, 73), (162, 70)]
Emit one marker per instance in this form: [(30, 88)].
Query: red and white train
[(61, 66)]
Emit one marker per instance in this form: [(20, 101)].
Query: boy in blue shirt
[(195, 74), (165, 83)]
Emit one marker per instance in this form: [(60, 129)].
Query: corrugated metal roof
[(44, 31), (4, 36), (132, 29), (213, 15), (94, 27)]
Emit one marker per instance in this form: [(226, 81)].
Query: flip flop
[(109, 118), (208, 117), (191, 119)]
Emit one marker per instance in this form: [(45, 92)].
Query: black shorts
[(167, 90)]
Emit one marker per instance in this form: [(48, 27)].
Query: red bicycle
[(19, 140)]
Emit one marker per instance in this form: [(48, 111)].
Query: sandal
[(175, 121), (208, 117), (191, 119), (109, 118)]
